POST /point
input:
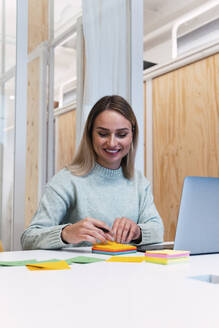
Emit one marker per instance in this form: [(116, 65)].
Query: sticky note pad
[(113, 248), (60, 265), (131, 259), (16, 263), (84, 260), (167, 256), (168, 253), (165, 261)]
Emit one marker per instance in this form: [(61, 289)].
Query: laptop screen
[(198, 221)]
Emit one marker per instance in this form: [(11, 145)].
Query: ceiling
[(158, 15)]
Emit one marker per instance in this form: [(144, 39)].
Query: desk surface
[(107, 294)]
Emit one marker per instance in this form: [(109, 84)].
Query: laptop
[(198, 220)]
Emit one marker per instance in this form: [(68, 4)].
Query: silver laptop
[(198, 220)]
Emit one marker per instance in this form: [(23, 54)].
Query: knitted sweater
[(103, 194)]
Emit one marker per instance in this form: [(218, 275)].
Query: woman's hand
[(125, 230), (88, 229)]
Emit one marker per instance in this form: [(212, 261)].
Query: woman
[(100, 196)]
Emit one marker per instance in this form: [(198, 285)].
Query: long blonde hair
[(85, 158)]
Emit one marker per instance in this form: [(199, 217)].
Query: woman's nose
[(112, 141)]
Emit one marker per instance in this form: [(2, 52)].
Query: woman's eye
[(122, 135), (102, 134), (118, 135)]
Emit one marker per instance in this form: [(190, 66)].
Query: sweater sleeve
[(149, 220), (44, 232)]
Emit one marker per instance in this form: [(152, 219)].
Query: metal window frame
[(46, 127), (20, 124), (53, 43), (42, 52)]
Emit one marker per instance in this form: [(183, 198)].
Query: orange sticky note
[(60, 265), (132, 259), (113, 248)]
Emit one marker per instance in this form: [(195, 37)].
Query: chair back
[(1, 247)]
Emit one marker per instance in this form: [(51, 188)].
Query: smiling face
[(112, 138)]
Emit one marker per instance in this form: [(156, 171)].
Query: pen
[(104, 229)]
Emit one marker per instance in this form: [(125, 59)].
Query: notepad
[(84, 260), (167, 256), (113, 248), (59, 265), (131, 259), (16, 263)]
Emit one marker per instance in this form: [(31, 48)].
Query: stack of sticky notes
[(167, 256), (113, 248)]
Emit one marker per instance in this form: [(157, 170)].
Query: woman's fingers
[(92, 230), (100, 225), (117, 229), (88, 229), (125, 230)]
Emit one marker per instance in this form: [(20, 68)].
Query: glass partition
[(65, 72), (64, 11), (10, 34), (7, 161), (7, 117)]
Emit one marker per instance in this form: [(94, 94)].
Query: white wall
[(160, 53)]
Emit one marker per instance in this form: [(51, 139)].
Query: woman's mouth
[(112, 151)]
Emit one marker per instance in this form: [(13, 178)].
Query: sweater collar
[(107, 172)]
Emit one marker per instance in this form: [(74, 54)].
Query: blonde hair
[(85, 157)]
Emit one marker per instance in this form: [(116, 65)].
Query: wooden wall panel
[(65, 139), (37, 23), (185, 132), (33, 103), (37, 33)]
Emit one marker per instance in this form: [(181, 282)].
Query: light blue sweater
[(103, 194)]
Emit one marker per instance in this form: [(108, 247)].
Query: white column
[(136, 74), (20, 124), (113, 33)]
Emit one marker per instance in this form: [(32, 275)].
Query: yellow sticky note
[(60, 265), (113, 246), (132, 259), (160, 260)]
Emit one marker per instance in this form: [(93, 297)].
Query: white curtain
[(108, 55), (105, 29)]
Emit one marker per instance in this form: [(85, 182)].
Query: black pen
[(104, 229)]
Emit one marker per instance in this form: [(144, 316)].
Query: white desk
[(107, 294)]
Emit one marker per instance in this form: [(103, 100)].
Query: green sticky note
[(83, 260), (16, 263), (48, 261)]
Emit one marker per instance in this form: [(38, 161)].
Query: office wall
[(185, 132)]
